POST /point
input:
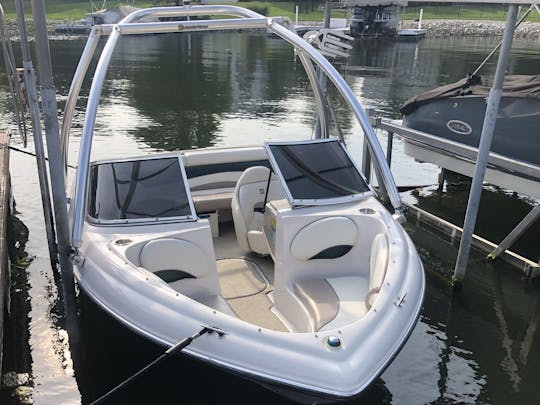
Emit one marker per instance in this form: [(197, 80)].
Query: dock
[(4, 214), (503, 171)]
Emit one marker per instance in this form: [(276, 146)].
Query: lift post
[(56, 166), (33, 108), (483, 150)]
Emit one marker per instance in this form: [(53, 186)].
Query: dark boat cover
[(518, 86)]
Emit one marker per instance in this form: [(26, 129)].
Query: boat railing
[(132, 25), (456, 150)]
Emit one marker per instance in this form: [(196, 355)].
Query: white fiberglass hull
[(299, 361)]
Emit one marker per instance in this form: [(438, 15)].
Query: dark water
[(172, 92)]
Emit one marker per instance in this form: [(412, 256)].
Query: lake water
[(168, 92)]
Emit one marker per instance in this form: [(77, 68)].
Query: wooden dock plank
[(4, 214)]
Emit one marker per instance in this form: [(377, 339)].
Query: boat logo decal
[(181, 27), (459, 127)]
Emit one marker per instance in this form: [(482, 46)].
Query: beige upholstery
[(184, 256), (333, 302), (249, 194), (322, 235), (351, 292), (320, 300), (209, 202), (378, 263), (197, 157)]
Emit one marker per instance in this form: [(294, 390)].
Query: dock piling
[(4, 213), (33, 109), (483, 150), (56, 164)]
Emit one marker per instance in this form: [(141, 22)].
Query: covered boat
[(456, 112), (283, 248)]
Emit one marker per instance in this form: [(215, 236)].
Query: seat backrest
[(248, 195), (378, 263), (327, 238), (182, 264)]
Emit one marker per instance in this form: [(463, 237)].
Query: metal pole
[(483, 150), (321, 131), (56, 165), (389, 147), (33, 108), (366, 161), (516, 232), (523, 17), (327, 13)]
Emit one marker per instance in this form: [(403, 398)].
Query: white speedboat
[(283, 247)]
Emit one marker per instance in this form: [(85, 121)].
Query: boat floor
[(246, 279)]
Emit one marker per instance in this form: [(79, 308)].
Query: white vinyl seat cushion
[(169, 255), (333, 302), (378, 263), (173, 254), (249, 194), (338, 301), (326, 238)]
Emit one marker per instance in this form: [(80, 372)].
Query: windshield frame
[(299, 202), (150, 220)]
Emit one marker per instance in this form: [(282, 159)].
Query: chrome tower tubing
[(307, 51), (75, 88), (386, 180), (315, 85), (156, 12), (79, 199), (192, 26), (98, 31)]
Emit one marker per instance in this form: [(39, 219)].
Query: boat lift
[(481, 158), (255, 20)]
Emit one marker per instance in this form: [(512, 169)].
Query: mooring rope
[(33, 154)]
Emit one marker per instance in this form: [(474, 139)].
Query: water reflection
[(500, 211), (199, 90), (190, 85)]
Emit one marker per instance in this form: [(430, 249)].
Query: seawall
[(473, 28)]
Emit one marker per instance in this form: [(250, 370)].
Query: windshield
[(149, 188), (316, 170)]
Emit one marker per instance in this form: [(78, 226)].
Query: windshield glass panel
[(317, 170), (149, 188)]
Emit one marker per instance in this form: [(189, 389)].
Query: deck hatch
[(139, 190)]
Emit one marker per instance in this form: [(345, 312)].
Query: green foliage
[(309, 10), (258, 8)]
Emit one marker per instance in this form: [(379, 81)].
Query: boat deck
[(246, 281)]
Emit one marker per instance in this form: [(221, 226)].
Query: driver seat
[(247, 204)]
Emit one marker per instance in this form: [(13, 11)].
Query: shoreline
[(435, 28), (473, 28)]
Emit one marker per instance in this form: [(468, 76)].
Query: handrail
[(249, 19)]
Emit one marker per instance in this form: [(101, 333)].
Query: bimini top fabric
[(518, 86)]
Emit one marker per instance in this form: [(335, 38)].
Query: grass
[(74, 10)]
